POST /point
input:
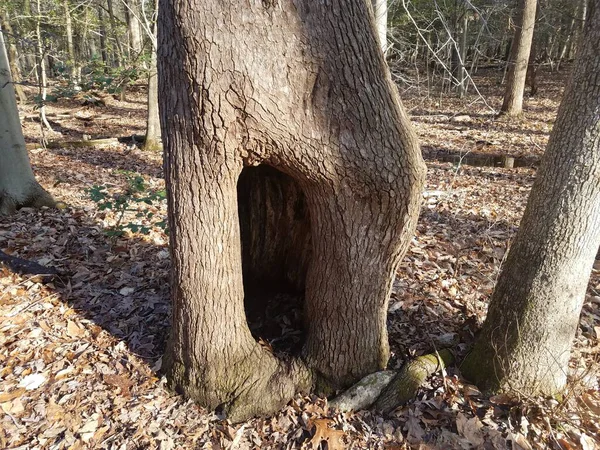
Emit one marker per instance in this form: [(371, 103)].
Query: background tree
[(519, 58), (18, 186), (13, 57), (152, 142), (317, 108), (380, 12), (526, 340)]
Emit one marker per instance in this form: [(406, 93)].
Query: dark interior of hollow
[(276, 250)]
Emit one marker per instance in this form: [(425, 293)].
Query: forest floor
[(80, 352)]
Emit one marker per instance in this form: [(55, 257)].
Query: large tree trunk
[(526, 340), (318, 105), (519, 56), (18, 187)]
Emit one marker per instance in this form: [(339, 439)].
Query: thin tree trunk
[(462, 80), (327, 115), (519, 56), (133, 25), (115, 34), (43, 79), (103, 49), (18, 186), (153, 134), (567, 43), (70, 47), (380, 12), (526, 340), (13, 57)]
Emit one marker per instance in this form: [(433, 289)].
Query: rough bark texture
[(301, 87), (18, 187), (526, 340), (519, 56)]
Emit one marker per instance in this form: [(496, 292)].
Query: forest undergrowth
[(80, 350)]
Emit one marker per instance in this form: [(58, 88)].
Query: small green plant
[(131, 207)]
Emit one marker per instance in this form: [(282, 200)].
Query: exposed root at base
[(256, 385), (387, 390), (36, 198)]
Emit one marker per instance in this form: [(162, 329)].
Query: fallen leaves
[(32, 381), (325, 431), (80, 355)]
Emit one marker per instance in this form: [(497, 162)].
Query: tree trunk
[(318, 105), (133, 24), (526, 340), (115, 33), (13, 58), (519, 56), (103, 49), (380, 12), (18, 187), (42, 74), (462, 76), (70, 47), (153, 135)]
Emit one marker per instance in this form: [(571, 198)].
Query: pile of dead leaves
[(80, 350)]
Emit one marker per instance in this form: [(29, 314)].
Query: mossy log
[(410, 377)]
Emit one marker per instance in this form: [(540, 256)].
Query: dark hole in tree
[(276, 249)]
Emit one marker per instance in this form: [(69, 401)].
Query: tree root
[(35, 197), (24, 266), (387, 390)]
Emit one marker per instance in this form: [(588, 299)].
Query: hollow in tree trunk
[(318, 106), (18, 186), (519, 57), (526, 340)]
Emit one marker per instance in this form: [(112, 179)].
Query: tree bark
[(526, 340), (153, 134), (18, 186), (318, 105), (13, 58), (380, 13), (118, 54), (519, 56), (70, 46), (103, 48), (133, 24), (41, 70)]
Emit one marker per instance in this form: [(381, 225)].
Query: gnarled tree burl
[(300, 88)]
